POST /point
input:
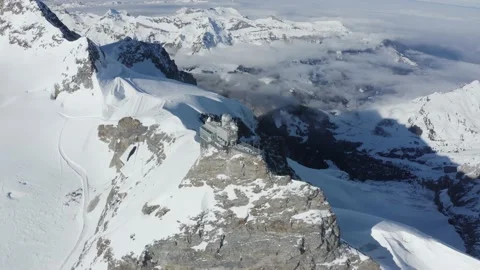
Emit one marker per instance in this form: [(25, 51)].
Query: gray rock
[(132, 51), (271, 222), (130, 131)]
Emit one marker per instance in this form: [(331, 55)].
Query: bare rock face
[(130, 131), (84, 75), (308, 137), (458, 199), (260, 221)]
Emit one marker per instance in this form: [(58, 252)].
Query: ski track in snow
[(86, 191)]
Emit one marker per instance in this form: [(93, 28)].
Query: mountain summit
[(31, 33)]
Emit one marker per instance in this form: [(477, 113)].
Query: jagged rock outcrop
[(130, 52), (260, 221), (130, 132), (459, 200)]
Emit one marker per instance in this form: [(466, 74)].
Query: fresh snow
[(449, 122), (396, 224), (405, 243), (56, 170)]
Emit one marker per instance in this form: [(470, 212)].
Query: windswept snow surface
[(41, 216), (56, 174), (40, 223), (405, 244), (396, 224)]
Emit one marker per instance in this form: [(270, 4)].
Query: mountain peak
[(218, 11), (113, 13), (33, 34), (136, 54), (26, 22)]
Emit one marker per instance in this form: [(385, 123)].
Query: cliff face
[(258, 221), (136, 54)]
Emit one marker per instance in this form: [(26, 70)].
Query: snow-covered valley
[(389, 221), (102, 166)]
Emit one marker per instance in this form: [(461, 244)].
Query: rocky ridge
[(432, 140), (130, 132), (259, 221), (29, 25), (131, 52)]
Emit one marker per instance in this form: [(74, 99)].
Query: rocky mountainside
[(432, 140), (255, 220), (34, 33), (136, 55), (198, 30)]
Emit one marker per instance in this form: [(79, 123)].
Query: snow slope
[(448, 124), (56, 169), (396, 224), (404, 243)]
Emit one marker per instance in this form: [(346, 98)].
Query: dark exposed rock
[(416, 130), (315, 143), (250, 70), (459, 200), (379, 131), (162, 212), (53, 19), (148, 209), (409, 153), (131, 52), (84, 76), (450, 169)]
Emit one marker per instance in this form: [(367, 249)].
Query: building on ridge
[(223, 134)]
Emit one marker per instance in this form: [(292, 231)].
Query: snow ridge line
[(85, 186)]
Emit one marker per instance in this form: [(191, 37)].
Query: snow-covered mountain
[(25, 38), (102, 169), (108, 174), (198, 30), (432, 141), (222, 48), (146, 58)]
